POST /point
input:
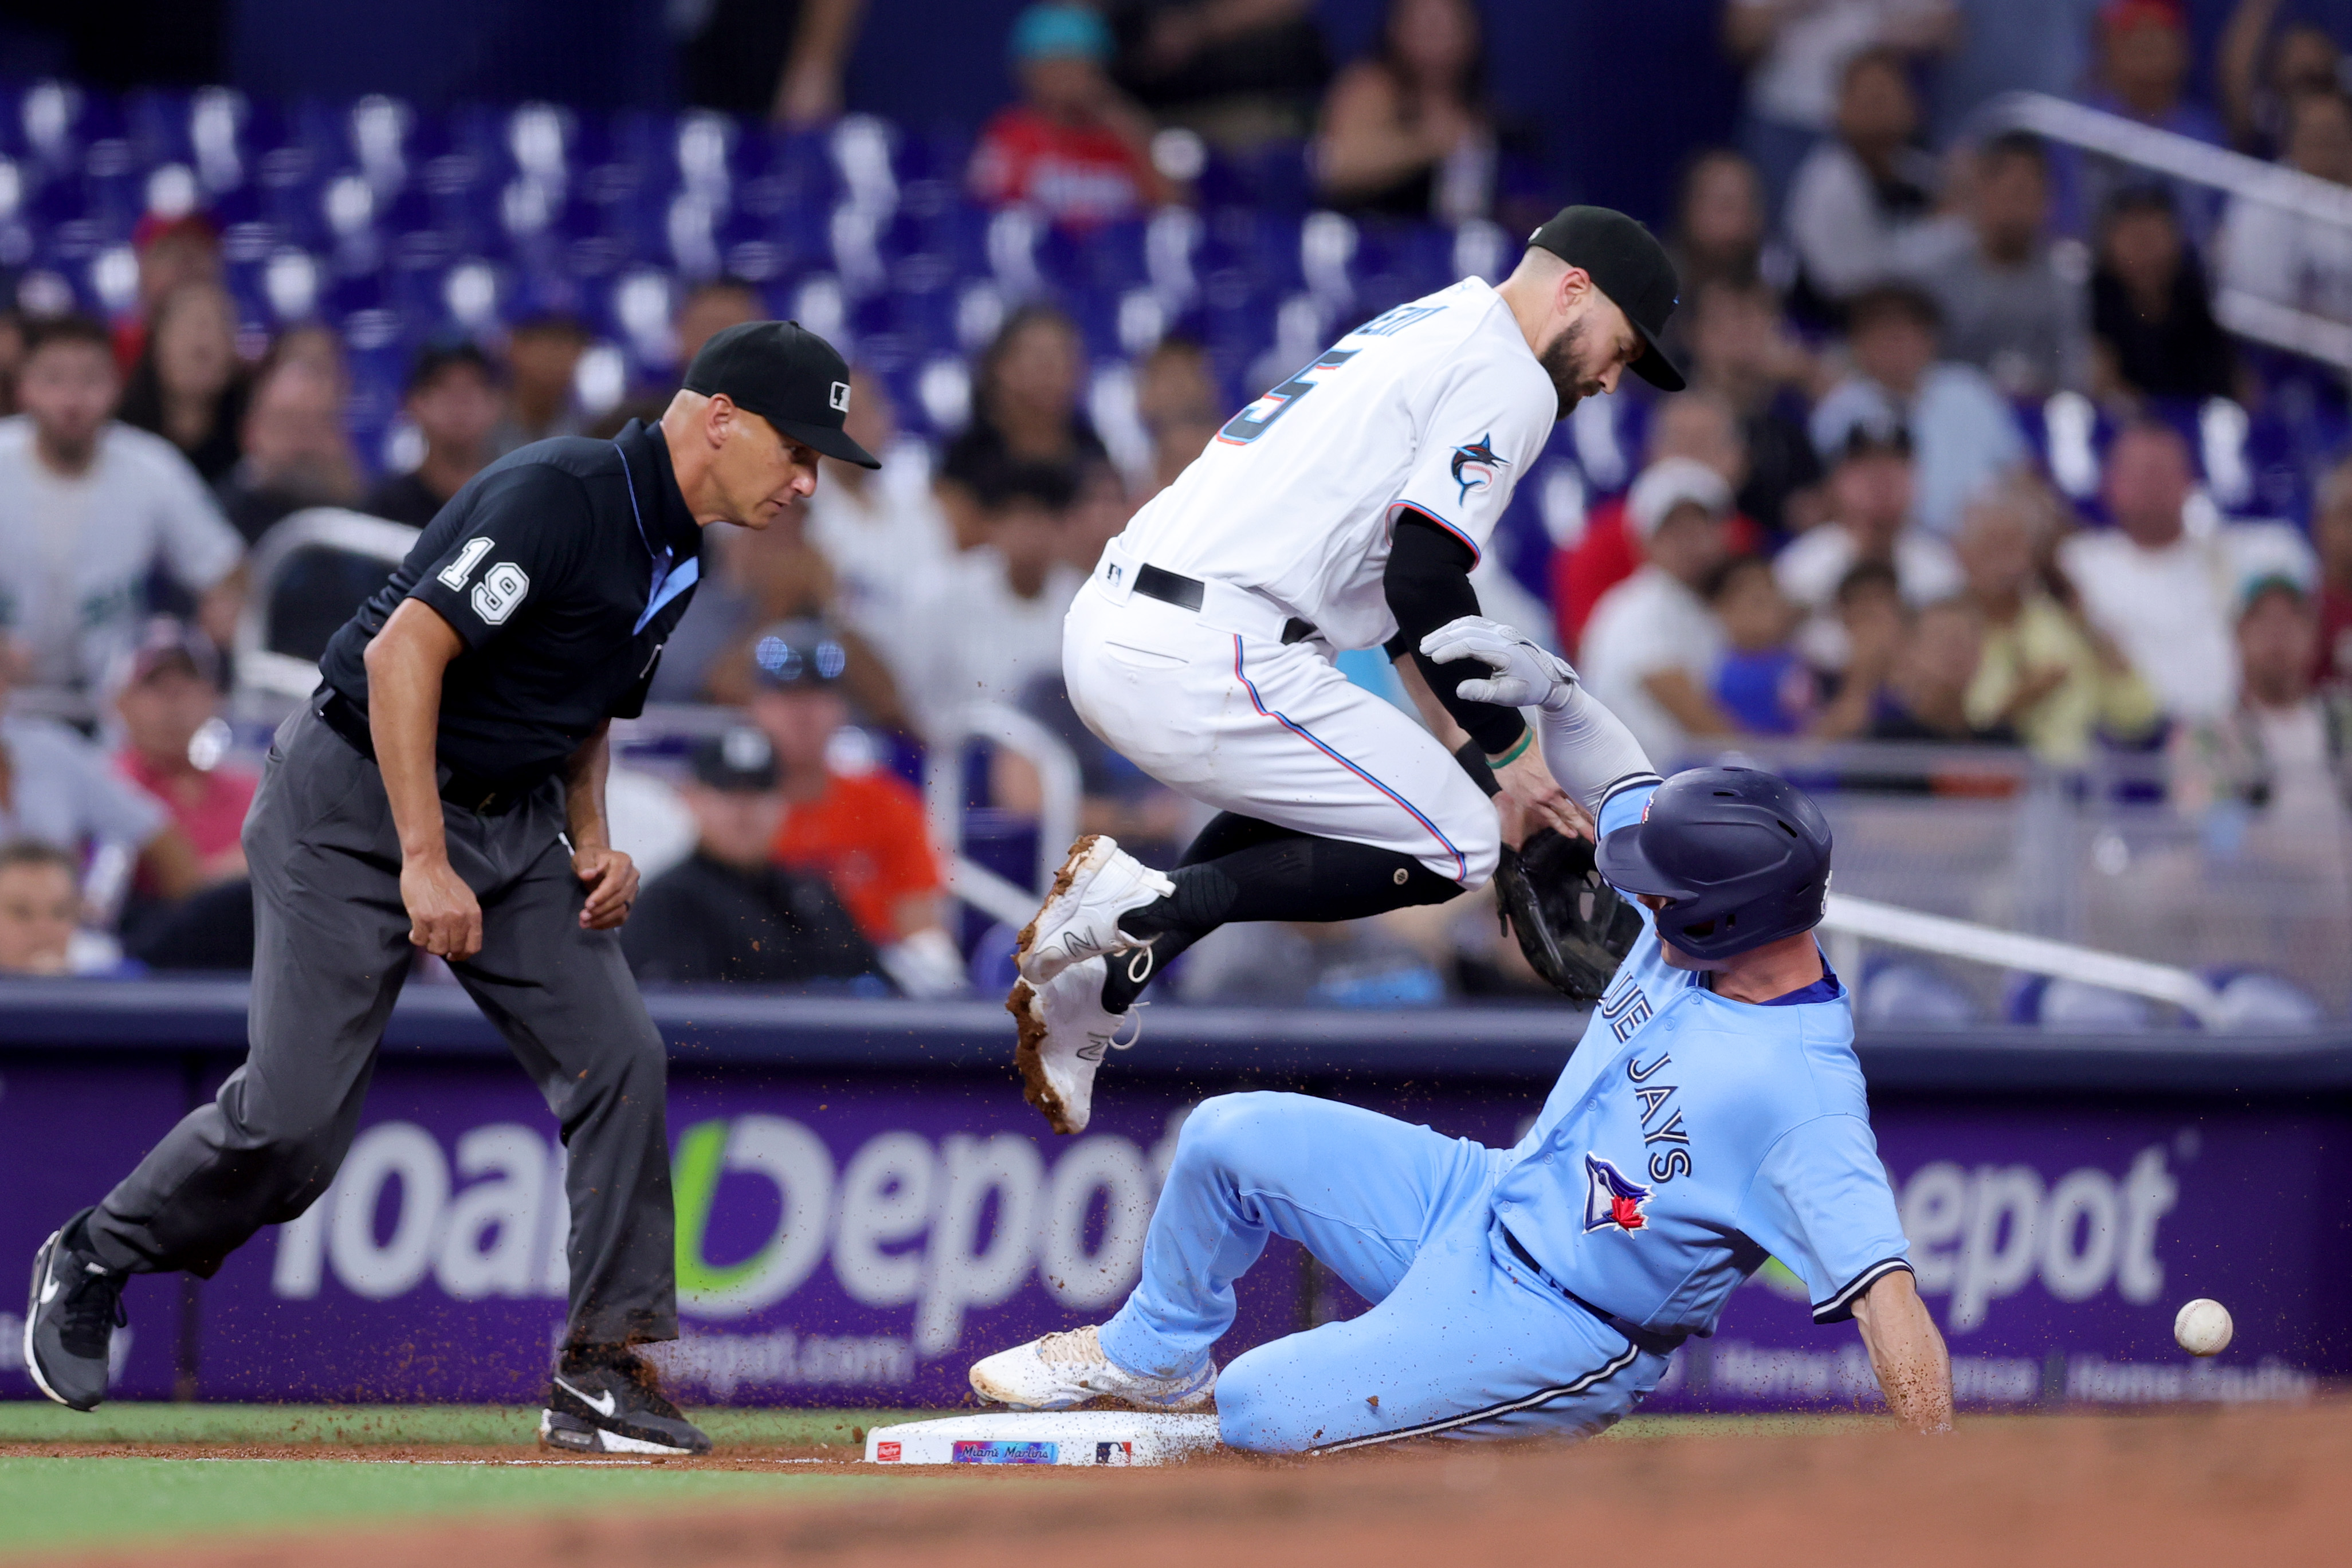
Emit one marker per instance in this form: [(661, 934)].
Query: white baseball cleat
[(1063, 1370), (1098, 882), (1064, 1029)]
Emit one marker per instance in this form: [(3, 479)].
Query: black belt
[(1635, 1334), (1187, 593), (483, 797)]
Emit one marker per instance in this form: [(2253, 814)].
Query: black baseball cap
[(788, 376), (739, 759), (1629, 265)]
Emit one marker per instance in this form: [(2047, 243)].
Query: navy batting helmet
[(1741, 857)]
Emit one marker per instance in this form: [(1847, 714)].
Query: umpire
[(444, 790)]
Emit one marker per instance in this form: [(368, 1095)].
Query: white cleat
[(1063, 1370), (1064, 1030), (1098, 882)]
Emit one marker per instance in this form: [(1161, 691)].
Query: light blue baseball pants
[(1461, 1342)]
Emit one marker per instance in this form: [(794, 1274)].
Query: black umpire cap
[(1626, 262), (788, 376)]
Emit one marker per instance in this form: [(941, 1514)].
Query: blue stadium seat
[(2073, 1006)]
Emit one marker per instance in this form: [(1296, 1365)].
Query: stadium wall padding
[(865, 1205)]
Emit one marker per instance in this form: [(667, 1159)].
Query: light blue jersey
[(1691, 1138)]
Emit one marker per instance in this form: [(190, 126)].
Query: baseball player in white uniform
[(1343, 509)]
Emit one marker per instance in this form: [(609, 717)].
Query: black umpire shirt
[(563, 566)]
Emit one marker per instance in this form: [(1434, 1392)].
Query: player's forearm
[(1590, 751), (1441, 724), (1907, 1353), (1427, 585), (583, 792), (404, 664)]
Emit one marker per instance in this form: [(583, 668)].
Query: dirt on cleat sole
[(1079, 850), (1028, 1056)]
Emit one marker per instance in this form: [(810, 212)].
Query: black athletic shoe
[(604, 1402), (75, 1307)]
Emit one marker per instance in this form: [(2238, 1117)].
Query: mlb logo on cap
[(773, 369)]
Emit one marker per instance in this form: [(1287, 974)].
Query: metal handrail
[(258, 668), (1057, 816), (1862, 920), (2185, 158), (2169, 152)]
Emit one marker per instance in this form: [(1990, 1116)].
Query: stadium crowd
[(1878, 514)]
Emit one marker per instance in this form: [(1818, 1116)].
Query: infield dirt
[(2204, 1487)]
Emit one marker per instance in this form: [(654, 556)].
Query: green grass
[(38, 1421), (81, 1501), (49, 1502)]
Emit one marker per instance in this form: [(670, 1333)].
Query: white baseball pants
[(1228, 715)]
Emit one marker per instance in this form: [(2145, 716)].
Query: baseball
[(2204, 1327)]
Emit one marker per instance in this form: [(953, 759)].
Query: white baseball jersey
[(1438, 406)]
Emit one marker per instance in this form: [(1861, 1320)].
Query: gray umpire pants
[(330, 950)]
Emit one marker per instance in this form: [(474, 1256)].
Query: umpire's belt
[(1635, 1334), (1228, 606), (483, 797)]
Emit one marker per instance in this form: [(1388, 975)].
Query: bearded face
[(1578, 359)]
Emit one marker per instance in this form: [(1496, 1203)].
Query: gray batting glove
[(1525, 675)]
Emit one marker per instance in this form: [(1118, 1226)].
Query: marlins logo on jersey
[(1474, 465), (1611, 1199)]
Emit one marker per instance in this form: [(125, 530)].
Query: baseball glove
[(1574, 928)]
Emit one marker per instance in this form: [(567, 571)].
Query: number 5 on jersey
[(1258, 417), (502, 587)]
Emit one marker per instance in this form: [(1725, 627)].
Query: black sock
[(1292, 876), (599, 1357)]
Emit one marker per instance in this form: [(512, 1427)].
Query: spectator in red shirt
[(862, 829), (1073, 147), (171, 741), (2331, 530), (1690, 424)]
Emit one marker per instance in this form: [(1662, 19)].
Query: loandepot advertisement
[(864, 1241)]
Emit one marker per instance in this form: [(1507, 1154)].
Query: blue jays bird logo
[(1611, 1199), (1474, 465)]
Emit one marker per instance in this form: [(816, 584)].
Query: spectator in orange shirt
[(1073, 147), (863, 832), (1698, 425)]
